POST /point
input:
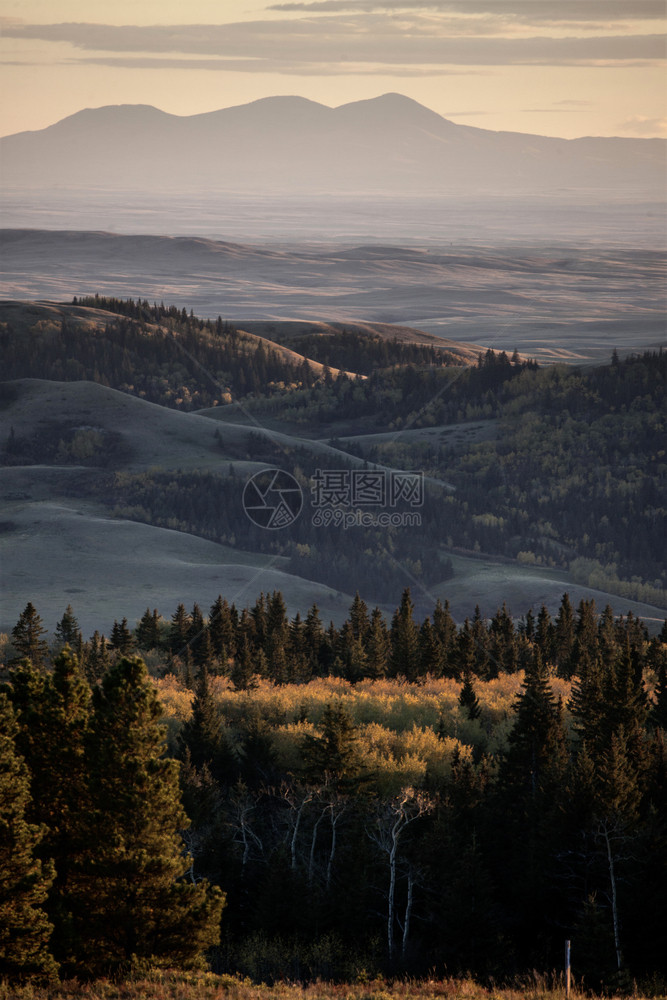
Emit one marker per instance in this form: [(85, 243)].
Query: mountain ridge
[(389, 144)]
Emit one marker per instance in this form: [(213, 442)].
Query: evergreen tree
[(201, 734), (314, 638), (147, 632), (24, 881), (222, 630), (544, 635), (178, 631), (67, 631), (431, 660), (97, 658), (334, 755), (359, 619), (378, 646), (564, 636), (445, 630), (53, 714), (121, 638), (139, 907), (466, 649), (467, 697), (536, 753), (27, 637), (198, 638), (404, 637)]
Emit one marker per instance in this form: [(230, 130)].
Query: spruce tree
[(147, 632), (378, 646), (178, 631), (139, 906), (53, 715), (121, 638), (24, 881), (333, 756), (445, 630), (404, 637), (564, 636), (201, 734), (468, 700), (67, 630), (27, 637), (198, 638), (536, 752)]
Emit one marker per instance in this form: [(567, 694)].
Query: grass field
[(206, 986)]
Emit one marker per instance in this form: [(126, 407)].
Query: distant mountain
[(388, 145)]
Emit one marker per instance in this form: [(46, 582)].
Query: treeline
[(364, 353), (552, 825), (263, 641), (162, 355), (404, 395)]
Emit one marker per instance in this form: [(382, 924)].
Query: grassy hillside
[(121, 418)]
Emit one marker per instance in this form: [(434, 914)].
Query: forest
[(287, 800), (559, 466)]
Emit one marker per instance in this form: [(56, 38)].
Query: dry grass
[(170, 985)]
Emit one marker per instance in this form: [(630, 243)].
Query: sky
[(555, 67)]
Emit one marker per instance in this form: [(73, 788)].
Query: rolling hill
[(125, 502)]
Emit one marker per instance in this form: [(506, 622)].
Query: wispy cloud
[(594, 12), (371, 43), (643, 125)]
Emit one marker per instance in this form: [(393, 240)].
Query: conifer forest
[(288, 799)]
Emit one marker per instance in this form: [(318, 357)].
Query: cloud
[(373, 42), (644, 126), (523, 11)]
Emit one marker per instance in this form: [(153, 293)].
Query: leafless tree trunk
[(614, 897), (390, 825)]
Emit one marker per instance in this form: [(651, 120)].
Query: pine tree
[(544, 635), (67, 631), (27, 637), (178, 631), (198, 638), (431, 660), (97, 658), (201, 734), (121, 638), (243, 668), (334, 755), (359, 619), (139, 907), (147, 632), (404, 637), (536, 751), (222, 629), (564, 636), (467, 697), (378, 646), (445, 630), (53, 713), (24, 881)]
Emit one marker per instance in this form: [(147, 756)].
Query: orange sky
[(555, 67)]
